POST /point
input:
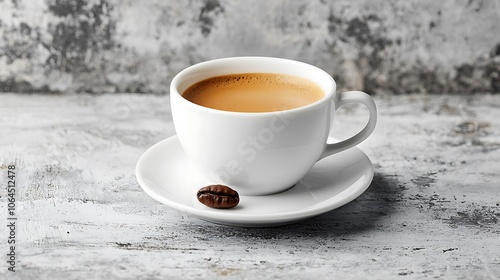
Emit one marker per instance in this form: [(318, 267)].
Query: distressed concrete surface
[(130, 46), (432, 210)]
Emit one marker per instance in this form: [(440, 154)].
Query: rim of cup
[(219, 67)]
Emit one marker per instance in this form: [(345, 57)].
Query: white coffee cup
[(260, 153)]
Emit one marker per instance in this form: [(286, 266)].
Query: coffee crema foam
[(254, 92)]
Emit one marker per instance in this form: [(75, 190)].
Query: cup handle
[(347, 98)]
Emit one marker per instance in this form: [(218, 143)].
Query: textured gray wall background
[(382, 47)]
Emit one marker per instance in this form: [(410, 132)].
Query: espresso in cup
[(254, 92), (259, 153)]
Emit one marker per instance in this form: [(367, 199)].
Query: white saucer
[(165, 174)]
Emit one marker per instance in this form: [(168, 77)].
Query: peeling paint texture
[(381, 47)]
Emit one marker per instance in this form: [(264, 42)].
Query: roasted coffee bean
[(218, 196)]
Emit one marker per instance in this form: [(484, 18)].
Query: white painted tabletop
[(431, 212)]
